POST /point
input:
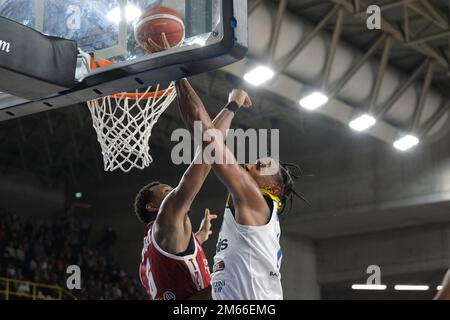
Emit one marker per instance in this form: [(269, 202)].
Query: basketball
[(159, 28)]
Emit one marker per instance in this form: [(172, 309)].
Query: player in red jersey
[(168, 276), (173, 264)]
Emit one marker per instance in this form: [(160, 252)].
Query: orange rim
[(139, 96), (129, 95)]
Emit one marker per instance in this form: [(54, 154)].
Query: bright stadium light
[(78, 195), (439, 288), (362, 123), (407, 142), (369, 287), (259, 75), (314, 101), (411, 288), (131, 13)]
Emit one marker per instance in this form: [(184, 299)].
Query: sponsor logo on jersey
[(169, 296), (219, 266), (222, 244), (274, 274), (218, 286)]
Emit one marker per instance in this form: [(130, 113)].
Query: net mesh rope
[(124, 124)]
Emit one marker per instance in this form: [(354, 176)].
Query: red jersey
[(169, 277)]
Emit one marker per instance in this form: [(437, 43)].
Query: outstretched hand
[(240, 97), (151, 46), (205, 227)]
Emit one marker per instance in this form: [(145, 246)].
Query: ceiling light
[(369, 287), (407, 142), (362, 123), (314, 101), (411, 288), (259, 75)]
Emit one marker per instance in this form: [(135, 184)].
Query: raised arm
[(177, 204), (247, 198)]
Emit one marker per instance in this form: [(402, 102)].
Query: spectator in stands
[(40, 251)]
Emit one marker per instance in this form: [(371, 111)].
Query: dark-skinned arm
[(172, 228), (247, 198)]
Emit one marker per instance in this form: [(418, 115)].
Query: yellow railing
[(20, 289)]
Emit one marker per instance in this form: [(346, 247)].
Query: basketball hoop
[(124, 123)]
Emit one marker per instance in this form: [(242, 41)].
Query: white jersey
[(247, 261)]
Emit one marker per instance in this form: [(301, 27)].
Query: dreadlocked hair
[(142, 199), (289, 173)]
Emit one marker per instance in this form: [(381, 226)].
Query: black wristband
[(232, 106)]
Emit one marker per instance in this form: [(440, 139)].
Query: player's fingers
[(147, 47), (248, 101), (153, 45), (210, 233), (165, 41), (213, 216), (207, 212)]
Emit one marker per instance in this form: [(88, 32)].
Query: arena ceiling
[(419, 30), (399, 74)]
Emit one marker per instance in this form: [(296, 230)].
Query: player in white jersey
[(247, 263), (248, 258)]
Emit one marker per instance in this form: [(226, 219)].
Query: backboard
[(216, 35), (98, 27)]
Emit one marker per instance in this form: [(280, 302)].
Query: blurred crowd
[(40, 251)]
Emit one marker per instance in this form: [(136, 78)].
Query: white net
[(124, 124)]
